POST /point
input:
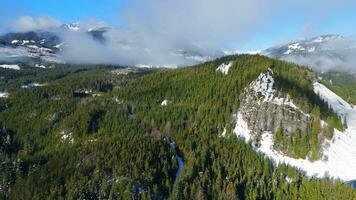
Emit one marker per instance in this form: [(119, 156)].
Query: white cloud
[(28, 23), (156, 29)]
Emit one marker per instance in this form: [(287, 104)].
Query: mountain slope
[(96, 133), (338, 153)]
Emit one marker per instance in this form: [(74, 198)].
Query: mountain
[(305, 47), (71, 26), (322, 53), (217, 130), (40, 47), (332, 55), (43, 47)]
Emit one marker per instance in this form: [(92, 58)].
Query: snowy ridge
[(264, 85), (224, 68), (339, 160)]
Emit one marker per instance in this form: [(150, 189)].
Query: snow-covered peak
[(302, 47), (224, 68), (72, 26), (326, 38)]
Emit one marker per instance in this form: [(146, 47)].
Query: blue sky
[(68, 10), (284, 25)]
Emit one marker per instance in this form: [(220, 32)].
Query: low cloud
[(336, 55), (28, 23), (159, 32)]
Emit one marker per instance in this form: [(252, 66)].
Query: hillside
[(103, 132)]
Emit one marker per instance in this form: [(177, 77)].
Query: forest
[(89, 133)]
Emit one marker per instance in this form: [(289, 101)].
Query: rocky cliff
[(265, 109)]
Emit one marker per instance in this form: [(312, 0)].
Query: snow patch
[(33, 46), (30, 85), (4, 94), (264, 85), (59, 45), (40, 66), (165, 102), (223, 134), (311, 49), (241, 128), (224, 68), (294, 47), (6, 66), (67, 136)]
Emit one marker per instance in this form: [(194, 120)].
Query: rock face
[(265, 109)]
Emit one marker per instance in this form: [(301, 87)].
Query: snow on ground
[(164, 102), (30, 85), (4, 94), (67, 136), (311, 49), (44, 54), (40, 66), (58, 46), (339, 159), (294, 47), (7, 66), (241, 128), (264, 85), (224, 68), (223, 134)]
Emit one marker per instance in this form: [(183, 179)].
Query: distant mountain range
[(40, 46), (322, 52), (305, 47)]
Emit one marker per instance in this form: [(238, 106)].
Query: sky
[(158, 26)]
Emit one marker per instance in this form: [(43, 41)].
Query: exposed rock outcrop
[(266, 109)]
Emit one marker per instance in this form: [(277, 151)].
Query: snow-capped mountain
[(71, 26), (43, 47), (40, 46), (303, 47), (322, 53)]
